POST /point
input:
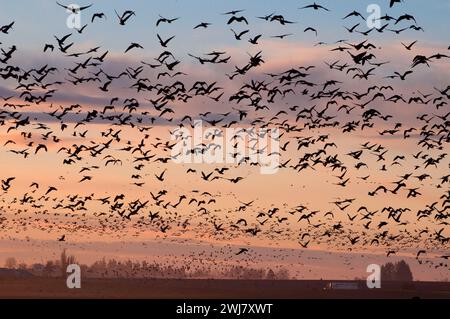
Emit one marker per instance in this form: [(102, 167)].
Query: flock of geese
[(158, 92)]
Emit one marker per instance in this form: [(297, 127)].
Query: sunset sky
[(30, 228)]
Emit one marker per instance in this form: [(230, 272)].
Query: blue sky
[(42, 19)]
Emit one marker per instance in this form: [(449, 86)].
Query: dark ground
[(37, 287)]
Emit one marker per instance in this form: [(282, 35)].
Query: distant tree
[(66, 261), (22, 266), (11, 263), (399, 271), (283, 274), (63, 263), (48, 269), (71, 260), (403, 272), (37, 269), (270, 275), (388, 272)]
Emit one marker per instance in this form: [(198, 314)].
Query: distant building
[(342, 285)]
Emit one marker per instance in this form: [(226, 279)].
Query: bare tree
[(66, 261), (48, 269), (11, 263), (63, 263)]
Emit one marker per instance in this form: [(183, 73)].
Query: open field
[(205, 289)]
